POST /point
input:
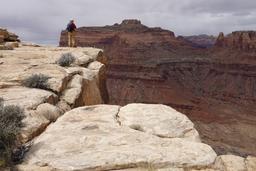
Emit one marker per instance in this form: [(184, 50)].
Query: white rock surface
[(250, 163), (73, 91), (230, 163), (21, 63), (90, 138), (27, 98), (159, 120)]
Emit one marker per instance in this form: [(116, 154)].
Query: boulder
[(34, 125), (49, 111), (73, 91), (81, 59), (91, 93), (58, 78), (27, 98), (96, 55), (100, 70), (12, 37), (230, 163), (12, 44), (250, 163), (93, 85), (91, 138), (158, 120)]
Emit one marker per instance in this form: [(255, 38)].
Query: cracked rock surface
[(99, 138)]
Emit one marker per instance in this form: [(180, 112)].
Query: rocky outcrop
[(6, 36), (8, 40), (80, 84), (106, 137), (136, 137), (242, 40), (215, 87)]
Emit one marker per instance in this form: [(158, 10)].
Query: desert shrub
[(37, 81), (10, 124), (66, 60)]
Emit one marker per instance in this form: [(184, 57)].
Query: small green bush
[(66, 60), (37, 81), (10, 124)]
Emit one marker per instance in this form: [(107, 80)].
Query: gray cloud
[(42, 21)]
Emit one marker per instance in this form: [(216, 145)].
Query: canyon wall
[(215, 87)]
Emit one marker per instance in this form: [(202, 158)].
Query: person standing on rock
[(71, 28)]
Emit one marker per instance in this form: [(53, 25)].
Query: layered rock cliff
[(215, 87), (200, 41), (242, 40)]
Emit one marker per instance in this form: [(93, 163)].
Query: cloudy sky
[(41, 21)]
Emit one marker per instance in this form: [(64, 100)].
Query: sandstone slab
[(91, 138), (27, 98), (158, 120), (250, 163), (73, 90), (230, 163), (44, 106)]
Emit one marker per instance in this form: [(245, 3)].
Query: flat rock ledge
[(108, 137)]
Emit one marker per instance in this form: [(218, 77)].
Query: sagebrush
[(37, 81), (11, 117), (66, 60)]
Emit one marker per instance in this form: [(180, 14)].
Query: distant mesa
[(239, 40), (131, 22), (200, 41), (104, 36)]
